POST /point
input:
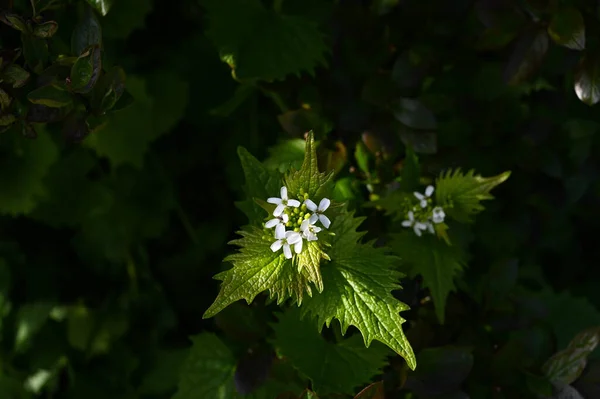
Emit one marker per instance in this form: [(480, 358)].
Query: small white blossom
[(418, 227), (279, 224), (282, 202), (438, 215), (318, 211), (423, 198), (309, 230), (290, 238)]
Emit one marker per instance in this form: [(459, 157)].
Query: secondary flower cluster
[(422, 217), (300, 224)]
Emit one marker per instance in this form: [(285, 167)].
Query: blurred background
[(113, 221)]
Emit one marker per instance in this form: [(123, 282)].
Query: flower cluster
[(423, 216), (293, 224)]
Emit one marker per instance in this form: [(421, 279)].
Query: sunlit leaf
[(587, 81)]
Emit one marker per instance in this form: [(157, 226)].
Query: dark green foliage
[(137, 136)]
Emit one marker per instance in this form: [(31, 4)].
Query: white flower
[(282, 202), (418, 227), (318, 211), (438, 215), (290, 238), (423, 198), (279, 224), (309, 230)]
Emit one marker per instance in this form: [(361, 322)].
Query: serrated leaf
[(332, 367), (87, 32), (51, 95), (433, 259), (257, 269), (308, 180), (564, 367), (294, 44), (567, 28), (23, 172), (587, 81), (86, 70), (460, 194), (261, 183), (358, 283)]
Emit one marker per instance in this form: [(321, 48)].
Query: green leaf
[(51, 95), (208, 371), (285, 155), (45, 30), (499, 36), (23, 171), (358, 283), (109, 90), (87, 32), (86, 70), (308, 180), (5, 100), (15, 75), (564, 367), (433, 259), (13, 20), (164, 375), (373, 391), (261, 183), (30, 318), (102, 6), (35, 51), (7, 120), (460, 194), (294, 43), (567, 28), (332, 367), (362, 157), (256, 269), (587, 81), (411, 172), (124, 139)]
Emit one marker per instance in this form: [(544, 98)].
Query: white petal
[(421, 226), (419, 195), (285, 218), (287, 251), (310, 205), (283, 192), (324, 204), (274, 200), (279, 210), (430, 228), (312, 237), (276, 246), (304, 225), (407, 223), (293, 237), (294, 203), (280, 231), (429, 191), (313, 218), (325, 220), (411, 216), (423, 203), (416, 229), (272, 223), (316, 229), (298, 247)]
